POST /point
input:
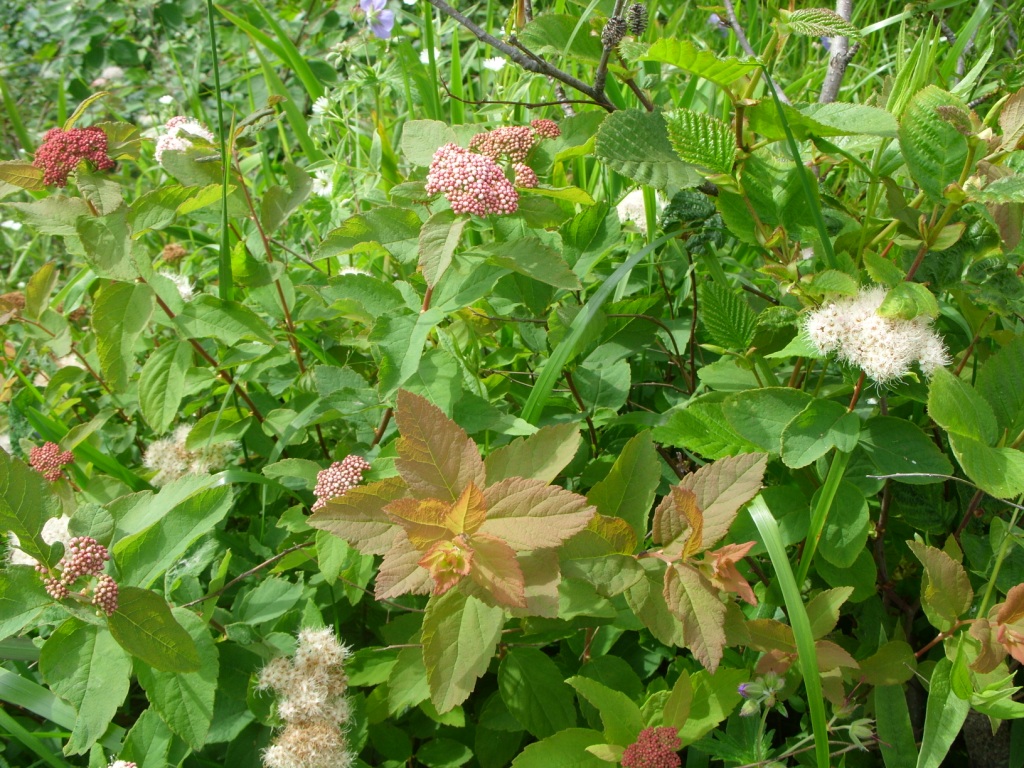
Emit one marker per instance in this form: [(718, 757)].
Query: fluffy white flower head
[(883, 347), (631, 208), (182, 283), (321, 105), (495, 63), (172, 459), (55, 529)]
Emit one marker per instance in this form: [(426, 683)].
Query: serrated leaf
[(636, 144), (532, 688), (946, 591), (540, 456), (722, 488), (678, 525), (935, 151), (694, 600), (84, 666), (846, 528), (646, 599), (909, 300), (438, 240), (53, 215), (358, 516), (762, 415), (208, 317), (22, 597), (628, 490), (143, 626), (702, 140), (727, 316), (422, 138), (120, 314), (162, 384), (723, 70), (435, 456), (185, 700), (400, 571), (531, 257), (818, 22), (496, 570), (27, 501), (559, 34), (957, 407), (702, 428), (620, 716), (459, 636), (157, 208), (396, 229), (21, 173), (530, 514)]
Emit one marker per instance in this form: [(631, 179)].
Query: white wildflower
[(166, 99), (112, 73), (122, 764), (883, 347), (14, 226), (55, 529), (182, 283), (354, 271), (170, 144), (180, 131), (321, 105), (631, 208), (323, 185), (172, 459), (495, 64), (425, 55)]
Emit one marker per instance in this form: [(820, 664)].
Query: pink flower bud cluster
[(83, 557), (513, 142), (545, 129), (62, 151), (338, 478), (49, 460), (472, 183), (654, 748), (122, 764), (525, 176)]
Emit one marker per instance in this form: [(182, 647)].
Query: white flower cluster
[(55, 529), (185, 288), (180, 132), (631, 208), (883, 347), (172, 459), (311, 700)]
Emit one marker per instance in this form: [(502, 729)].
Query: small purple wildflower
[(380, 20)]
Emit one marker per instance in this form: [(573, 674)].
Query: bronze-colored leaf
[(358, 516), (991, 652), (771, 635), (400, 572), (530, 514), (678, 523), (436, 458), (694, 600), (646, 599), (946, 591), (831, 656), (468, 513), (722, 488), (495, 568), (540, 456), (724, 574), (448, 563), (424, 520)]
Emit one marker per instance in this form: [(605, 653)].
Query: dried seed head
[(614, 31), (62, 151), (636, 18)]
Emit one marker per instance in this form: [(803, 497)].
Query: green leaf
[(148, 742), (396, 229), (702, 140), (438, 240), (84, 666), (679, 703), (958, 408), (159, 207), (540, 456), (861, 576), (895, 731), (53, 215), (143, 557), (892, 664), (817, 429), (27, 501), (628, 490), (22, 597), (722, 70), (883, 271), (694, 600), (271, 599), (997, 471), (946, 591), (108, 246), (162, 384), (895, 446), (143, 626), (846, 529), (422, 138), (620, 716), (534, 692), (121, 312), (21, 173), (646, 599), (207, 317), (944, 717), (934, 150), (185, 700), (727, 316), (38, 290), (998, 383), (102, 192), (817, 22), (762, 415), (459, 636), (560, 34), (218, 426), (1009, 189), (714, 697), (636, 144), (823, 610), (565, 749), (436, 458), (702, 428), (531, 257)]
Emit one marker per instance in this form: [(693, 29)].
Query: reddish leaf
[(400, 572), (424, 520), (695, 602), (722, 488), (495, 568), (540, 456), (358, 516), (469, 512), (1011, 610), (541, 577), (1010, 623), (529, 514), (946, 591), (435, 456), (831, 656), (724, 574), (678, 523), (771, 635), (448, 562)]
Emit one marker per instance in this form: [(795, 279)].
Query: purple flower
[(380, 19)]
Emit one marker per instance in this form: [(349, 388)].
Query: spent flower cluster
[(49, 460), (311, 689), (172, 459), (62, 151), (83, 557), (338, 478), (883, 347)]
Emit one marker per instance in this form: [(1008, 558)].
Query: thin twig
[(526, 104), (840, 59), (583, 408), (607, 48), (250, 572), (741, 36)]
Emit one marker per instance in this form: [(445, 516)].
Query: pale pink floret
[(525, 177), (545, 129), (472, 183), (49, 460), (340, 477), (513, 142)]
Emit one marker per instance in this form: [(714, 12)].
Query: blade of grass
[(819, 515), (11, 107), (798, 620), (552, 368), (294, 115), (29, 740), (225, 277)]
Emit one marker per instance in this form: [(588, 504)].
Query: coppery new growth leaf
[(724, 575), (1009, 625)]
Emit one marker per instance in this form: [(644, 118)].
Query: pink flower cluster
[(513, 141), (472, 183), (545, 129), (654, 748), (525, 176), (49, 460), (62, 151), (83, 557), (338, 478)]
